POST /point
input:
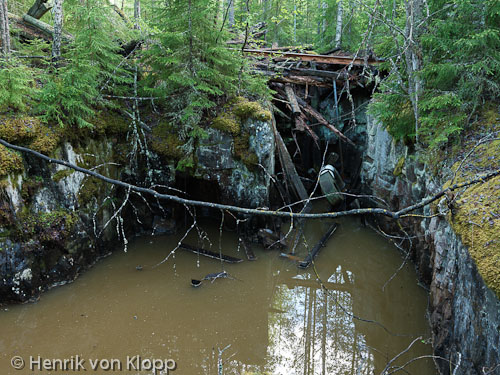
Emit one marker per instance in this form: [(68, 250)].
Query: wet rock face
[(240, 184), (49, 234), (464, 314)]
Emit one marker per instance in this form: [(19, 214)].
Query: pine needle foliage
[(89, 67), (190, 66), (16, 85)]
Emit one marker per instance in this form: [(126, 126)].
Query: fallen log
[(209, 254), (44, 28), (313, 113), (38, 9), (322, 242)]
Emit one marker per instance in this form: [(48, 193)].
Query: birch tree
[(4, 28), (58, 25), (137, 14), (338, 29), (413, 55)]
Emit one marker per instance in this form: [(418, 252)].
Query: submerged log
[(209, 254), (322, 242), (248, 251)]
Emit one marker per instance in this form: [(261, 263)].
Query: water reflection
[(276, 319)]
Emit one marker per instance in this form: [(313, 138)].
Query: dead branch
[(255, 211)]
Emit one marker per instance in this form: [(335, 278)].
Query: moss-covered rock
[(52, 227), (90, 189), (110, 123), (165, 141), (30, 132), (236, 111), (245, 109), (476, 215), (398, 169), (63, 173), (227, 122), (10, 162), (242, 151)]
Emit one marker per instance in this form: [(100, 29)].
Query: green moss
[(398, 169), (243, 153), (30, 132), (10, 162), (476, 216), (227, 122), (90, 190), (110, 123), (166, 142), (30, 187), (246, 109), (51, 227), (63, 173), (236, 111)]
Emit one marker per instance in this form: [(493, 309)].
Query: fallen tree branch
[(256, 211)]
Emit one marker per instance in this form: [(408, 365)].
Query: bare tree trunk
[(137, 14), (413, 56), (324, 6), (230, 14), (4, 28), (338, 30), (58, 25)]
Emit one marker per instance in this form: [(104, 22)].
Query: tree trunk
[(413, 56), (58, 25), (230, 14), (137, 14), (4, 28), (338, 30)]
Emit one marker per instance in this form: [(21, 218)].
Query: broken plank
[(209, 254), (322, 242), (292, 99)]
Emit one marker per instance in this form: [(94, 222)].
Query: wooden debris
[(248, 251), (310, 257), (210, 254), (324, 59), (313, 113), (292, 99)]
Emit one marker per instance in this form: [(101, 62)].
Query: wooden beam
[(324, 59), (290, 94)]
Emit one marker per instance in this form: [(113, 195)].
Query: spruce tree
[(90, 63), (189, 61)]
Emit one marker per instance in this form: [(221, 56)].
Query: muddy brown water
[(271, 318)]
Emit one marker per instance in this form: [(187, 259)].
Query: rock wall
[(52, 219), (464, 313)]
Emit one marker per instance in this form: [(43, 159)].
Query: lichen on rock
[(476, 214)]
